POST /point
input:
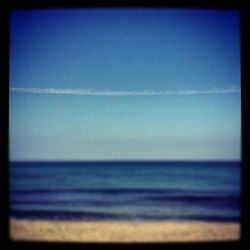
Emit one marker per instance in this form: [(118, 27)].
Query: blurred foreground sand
[(122, 231)]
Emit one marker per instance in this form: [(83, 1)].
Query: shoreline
[(122, 231)]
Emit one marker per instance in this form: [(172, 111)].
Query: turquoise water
[(208, 191)]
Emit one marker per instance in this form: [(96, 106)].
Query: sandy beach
[(122, 231)]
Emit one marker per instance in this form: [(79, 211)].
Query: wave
[(66, 203), (88, 215), (163, 191), (123, 198), (60, 215), (225, 199)]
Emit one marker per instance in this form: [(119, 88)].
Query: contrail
[(93, 92)]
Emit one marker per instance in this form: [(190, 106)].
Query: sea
[(185, 191)]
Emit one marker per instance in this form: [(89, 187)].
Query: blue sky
[(125, 84)]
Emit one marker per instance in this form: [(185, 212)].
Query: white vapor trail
[(92, 92)]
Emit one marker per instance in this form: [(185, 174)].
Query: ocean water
[(207, 191)]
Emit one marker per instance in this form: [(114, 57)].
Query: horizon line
[(100, 92), (132, 160)]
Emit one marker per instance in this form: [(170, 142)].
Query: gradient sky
[(188, 61)]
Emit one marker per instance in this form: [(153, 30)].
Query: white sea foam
[(93, 92)]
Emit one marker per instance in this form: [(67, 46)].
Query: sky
[(124, 84)]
